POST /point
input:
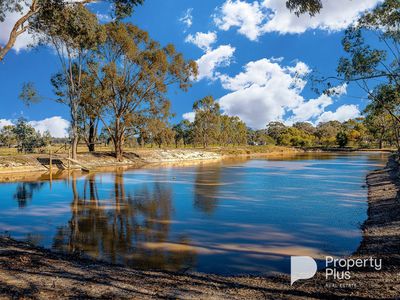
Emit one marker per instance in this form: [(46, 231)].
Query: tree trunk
[(74, 145), (74, 128), (118, 150), (118, 141), (92, 135)]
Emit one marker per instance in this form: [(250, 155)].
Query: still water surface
[(231, 217)]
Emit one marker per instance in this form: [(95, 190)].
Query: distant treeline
[(376, 129)]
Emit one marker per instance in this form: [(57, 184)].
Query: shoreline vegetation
[(34, 272)]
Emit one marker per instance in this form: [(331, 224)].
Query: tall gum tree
[(74, 32), (207, 121), (134, 73)]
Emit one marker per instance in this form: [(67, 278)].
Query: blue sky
[(254, 57)]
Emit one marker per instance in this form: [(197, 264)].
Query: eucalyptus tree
[(74, 33), (134, 73), (7, 136), (89, 110), (36, 11), (327, 131), (206, 126), (382, 126), (372, 58), (275, 129), (183, 133)]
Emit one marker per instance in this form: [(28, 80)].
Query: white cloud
[(202, 40), (213, 59), (343, 113), (259, 17), (187, 18), (189, 116), (310, 109), (57, 126), (338, 90), (248, 17), (335, 16), (4, 122), (267, 91)]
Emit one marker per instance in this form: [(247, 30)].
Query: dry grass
[(228, 150)]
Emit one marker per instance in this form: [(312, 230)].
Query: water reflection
[(24, 192), (206, 188), (118, 228), (244, 216)]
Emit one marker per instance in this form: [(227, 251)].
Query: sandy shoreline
[(35, 167), (31, 272)]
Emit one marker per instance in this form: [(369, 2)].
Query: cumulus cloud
[(248, 17), (202, 40), (187, 18), (310, 109), (254, 19), (189, 116), (213, 59), (267, 91), (57, 126), (343, 113)]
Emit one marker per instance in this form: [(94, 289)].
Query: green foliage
[(275, 129), (342, 139), (11, 6), (7, 136), (295, 137), (29, 94), (206, 125), (183, 133), (26, 137), (259, 137), (372, 57), (133, 73), (299, 7), (72, 26), (381, 125)]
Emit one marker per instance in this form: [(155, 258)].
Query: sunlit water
[(239, 217)]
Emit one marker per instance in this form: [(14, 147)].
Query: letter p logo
[(302, 267)]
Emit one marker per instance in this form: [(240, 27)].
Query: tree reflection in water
[(24, 192), (118, 229), (206, 188)]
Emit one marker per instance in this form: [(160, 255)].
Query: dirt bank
[(22, 167), (31, 272)]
